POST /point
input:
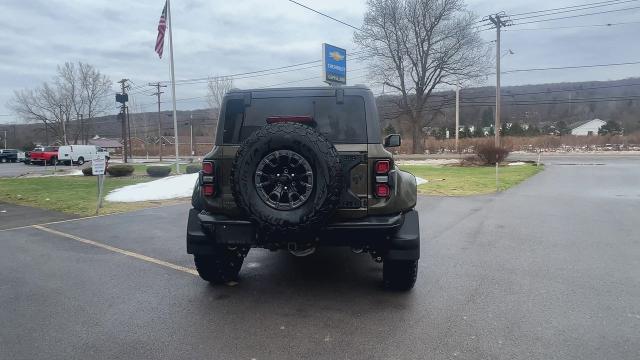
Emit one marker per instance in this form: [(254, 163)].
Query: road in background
[(20, 169), (547, 270)]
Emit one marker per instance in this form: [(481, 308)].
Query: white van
[(79, 154)]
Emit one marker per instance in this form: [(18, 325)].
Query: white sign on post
[(98, 165)]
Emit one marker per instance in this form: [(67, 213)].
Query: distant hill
[(536, 105)]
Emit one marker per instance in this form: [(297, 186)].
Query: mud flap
[(405, 243), (197, 241)]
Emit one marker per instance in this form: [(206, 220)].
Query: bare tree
[(416, 45), (217, 87), (75, 90), (95, 90)]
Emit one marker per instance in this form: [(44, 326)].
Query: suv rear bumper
[(397, 235)]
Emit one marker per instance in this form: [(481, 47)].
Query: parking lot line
[(118, 250)]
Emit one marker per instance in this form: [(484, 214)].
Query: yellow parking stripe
[(119, 251)]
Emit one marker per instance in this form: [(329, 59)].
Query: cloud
[(226, 37)]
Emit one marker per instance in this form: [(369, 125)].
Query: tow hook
[(295, 250)]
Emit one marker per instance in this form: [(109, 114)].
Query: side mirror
[(392, 140)]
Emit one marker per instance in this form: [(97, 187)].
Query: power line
[(245, 73), (582, 8), (571, 67), (325, 15), (450, 104), (465, 99), (506, 94), (577, 26), (265, 72), (565, 7), (575, 16)]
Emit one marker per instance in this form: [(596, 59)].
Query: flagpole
[(173, 85)]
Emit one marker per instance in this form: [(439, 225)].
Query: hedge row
[(158, 171), (120, 170)]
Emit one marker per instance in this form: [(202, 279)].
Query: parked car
[(27, 155), (48, 155), (11, 155), (79, 154)]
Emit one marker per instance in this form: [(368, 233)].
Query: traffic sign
[(98, 165), (334, 69)]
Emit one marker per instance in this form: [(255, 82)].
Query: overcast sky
[(226, 37)]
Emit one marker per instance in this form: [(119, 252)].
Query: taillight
[(208, 189), (207, 168), (381, 186), (383, 190), (208, 178), (383, 166)]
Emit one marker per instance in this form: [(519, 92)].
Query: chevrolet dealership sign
[(334, 69)]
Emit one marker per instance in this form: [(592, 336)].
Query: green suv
[(299, 168)]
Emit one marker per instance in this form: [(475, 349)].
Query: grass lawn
[(472, 180), (71, 194)]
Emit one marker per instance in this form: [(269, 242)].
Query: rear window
[(339, 122), (50, 149)]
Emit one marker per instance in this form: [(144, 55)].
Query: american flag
[(162, 26)]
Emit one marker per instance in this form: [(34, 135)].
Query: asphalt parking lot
[(20, 169), (547, 270)]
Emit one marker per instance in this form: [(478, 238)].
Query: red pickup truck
[(48, 155)]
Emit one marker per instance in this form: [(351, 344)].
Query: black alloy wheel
[(284, 180)]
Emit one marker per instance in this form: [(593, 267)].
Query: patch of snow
[(75, 173), (420, 181), (171, 187), (517, 163)]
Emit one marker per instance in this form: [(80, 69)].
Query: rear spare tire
[(287, 178)]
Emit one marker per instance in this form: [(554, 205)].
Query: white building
[(587, 128)]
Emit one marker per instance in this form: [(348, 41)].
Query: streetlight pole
[(191, 131), (457, 117)]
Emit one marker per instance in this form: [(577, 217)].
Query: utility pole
[(157, 94), (5, 139), (129, 135), (457, 116), (499, 23), (123, 98)]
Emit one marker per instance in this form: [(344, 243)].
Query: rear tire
[(80, 161), (400, 275), (220, 267)]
